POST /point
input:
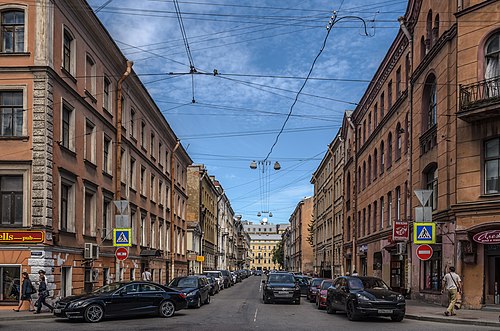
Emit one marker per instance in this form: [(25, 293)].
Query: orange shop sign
[(21, 236)]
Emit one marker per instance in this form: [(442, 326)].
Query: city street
[(239, 308)]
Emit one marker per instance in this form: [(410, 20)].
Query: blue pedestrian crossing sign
[(424, 233), (122, 237)]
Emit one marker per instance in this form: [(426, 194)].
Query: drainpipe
[(118, 165), (409, 36), (172, 210), (355, 195), (333, 210)]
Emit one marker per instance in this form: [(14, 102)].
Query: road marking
[(255, 316)]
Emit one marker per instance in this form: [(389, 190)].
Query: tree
[(310, 230), (278, 254)]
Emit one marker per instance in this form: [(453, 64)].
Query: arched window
[(431, 183), (429, 103), (348, 186), (435, 29), (382, 157), (369, 176), (375, 162), (348, 228), (399, 142), (428, 41), (389, 150), (492, 60), (12, 31), (359, 179), (423, 50)]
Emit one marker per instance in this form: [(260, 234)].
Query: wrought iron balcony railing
[(480, 100)]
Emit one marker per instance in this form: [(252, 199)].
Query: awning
[(150, 253)]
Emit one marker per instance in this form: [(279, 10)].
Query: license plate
[(57, 311), (282, 292), (385, 311)]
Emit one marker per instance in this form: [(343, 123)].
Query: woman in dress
[(27, 289)]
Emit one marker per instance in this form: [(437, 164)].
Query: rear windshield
[(185, 282), (285, 278), (326, 285), (316, 282)]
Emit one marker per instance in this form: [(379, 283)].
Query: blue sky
[(253, 44)]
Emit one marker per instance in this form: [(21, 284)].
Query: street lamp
[(265, 181)]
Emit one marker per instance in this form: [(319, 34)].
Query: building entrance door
[(9, 284), (396, 273), (492, 274)]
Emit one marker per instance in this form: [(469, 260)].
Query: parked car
[(303, 282), (280, 287), (234, 277), (196, 288), (314, 289), (214, 285), (365, 296), (322, 293), (257, 272), (228, 279), (122, 299), (217, 275)]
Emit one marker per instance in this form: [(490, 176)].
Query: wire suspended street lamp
[(265, 183)]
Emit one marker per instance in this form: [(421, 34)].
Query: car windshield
[(326, 285), (316, 282), (212, 274), (285, 278), (108, 288), (367, 283), (185, 282)]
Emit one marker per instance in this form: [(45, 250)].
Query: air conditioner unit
[(401, 248), (91, 251)]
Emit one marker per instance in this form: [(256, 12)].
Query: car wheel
[(329, 308), (264, 299), (208, 300), (167, 309), (351, 312), (397, 318), (198, 302), (93, 313)]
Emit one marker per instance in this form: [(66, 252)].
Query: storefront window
[(432, 272)]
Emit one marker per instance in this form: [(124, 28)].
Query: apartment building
[(300, 250), (66, 155), (226, 257), (337, 149)]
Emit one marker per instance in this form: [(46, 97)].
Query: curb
[(26, 317), (451, 320)]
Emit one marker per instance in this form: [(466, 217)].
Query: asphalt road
[(239, 308)]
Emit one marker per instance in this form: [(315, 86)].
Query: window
[(369, 124), (369, 175), (432, 271), (160, 155), (11, 203), (382, 157), (124, 163), (106, 219), (90, 148), (89, 221), (364, 175), (67, 127), (382, 105), (67, 203), (369, 224), (398, 203), (389, 150), (106, 162), (63, 211), (143, 134), (359, 179), (152, 145), (144, 235), (431, 179), (429, 103), (389, 95), (398, 82), (13, 31), (382, 212), (143, 182), (399, 143), (375, 162), (374, 216), (152, 193), (375, 115), (407, 70), (429, 30), (160, 193), (132, 180), (389, 207), (90, 75), (11, 113), (492, 61), (364, 131), (132, 122), (106, 102), (68, 52), (435, 29), (133, 220)]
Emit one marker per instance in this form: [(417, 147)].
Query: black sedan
[(122, 299), (304, 283), (196, 288), (281, 287), (363, 297)]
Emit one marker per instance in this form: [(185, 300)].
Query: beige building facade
[(301, 252)]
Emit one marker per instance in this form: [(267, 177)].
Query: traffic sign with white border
[(424, 233), (424, 252), (121, 253), (122, 237)]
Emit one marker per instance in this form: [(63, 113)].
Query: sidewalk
[(428, 312), (7, 314)]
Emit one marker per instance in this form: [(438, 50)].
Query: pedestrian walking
[(27, 289), (453, 285), (43, 293), (146, 275)]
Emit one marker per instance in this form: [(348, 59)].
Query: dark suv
[(281, 287), (228, 278)]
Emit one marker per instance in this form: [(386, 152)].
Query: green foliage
[(278, 254), (310, 230)]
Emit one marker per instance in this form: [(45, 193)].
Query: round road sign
[(424, 252), (121, 253)]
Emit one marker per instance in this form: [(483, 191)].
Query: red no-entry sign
[(121, 253), (424, 252)]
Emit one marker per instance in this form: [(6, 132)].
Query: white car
[(218, 277)]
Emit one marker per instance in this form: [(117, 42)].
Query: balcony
[(479, 101)]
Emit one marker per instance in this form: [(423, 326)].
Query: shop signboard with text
[(400, 231), (21, 236), (489, 237)]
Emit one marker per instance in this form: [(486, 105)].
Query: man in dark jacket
[(43, 293)]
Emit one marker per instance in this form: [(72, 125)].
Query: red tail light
[(182, 295)]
